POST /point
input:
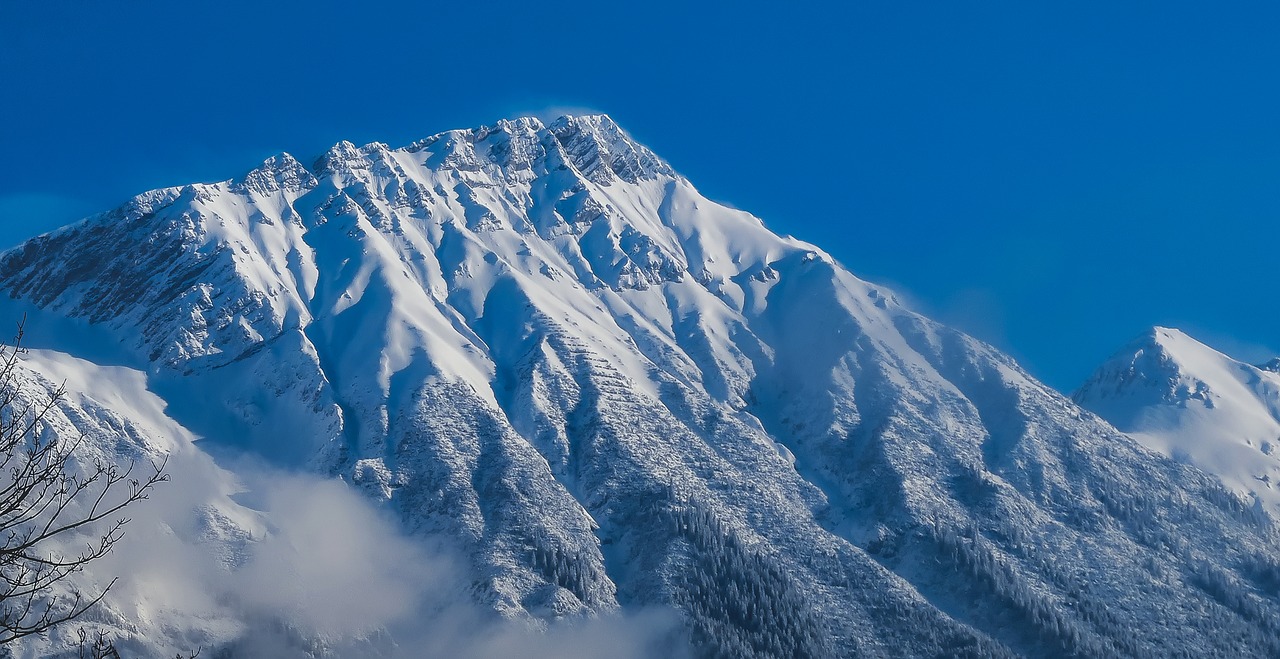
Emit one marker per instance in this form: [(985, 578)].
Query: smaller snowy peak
[(519, 128), (143, 205), (279, 173), (1272, 366), (1182, 398), (1166, 365), (1150, 368), (512, 144), (340, 157), (508, 128)]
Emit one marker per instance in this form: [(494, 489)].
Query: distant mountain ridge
[(542, 344), (1189, 401)]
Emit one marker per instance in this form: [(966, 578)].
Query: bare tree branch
[(46, 499)]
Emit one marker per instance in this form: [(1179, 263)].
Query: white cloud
[(308, 561)]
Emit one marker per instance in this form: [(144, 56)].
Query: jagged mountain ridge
[(544, 343), (1184, 399)]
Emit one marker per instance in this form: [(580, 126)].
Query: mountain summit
[(541, 345), (1188, 401)]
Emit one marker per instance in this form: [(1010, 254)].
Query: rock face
[(1195, 404), (543, 344)]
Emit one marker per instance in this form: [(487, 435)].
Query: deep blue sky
[(1053, 179)]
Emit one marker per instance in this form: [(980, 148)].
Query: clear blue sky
[(1053, 179)]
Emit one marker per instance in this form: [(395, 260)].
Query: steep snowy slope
[(543, 345), (1189, 401), (122, 422), (255, 562)]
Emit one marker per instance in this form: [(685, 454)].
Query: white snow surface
[(1188, 401), (542, 347)]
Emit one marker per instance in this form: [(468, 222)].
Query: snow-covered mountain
[(540, 345), (1195, 404)]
